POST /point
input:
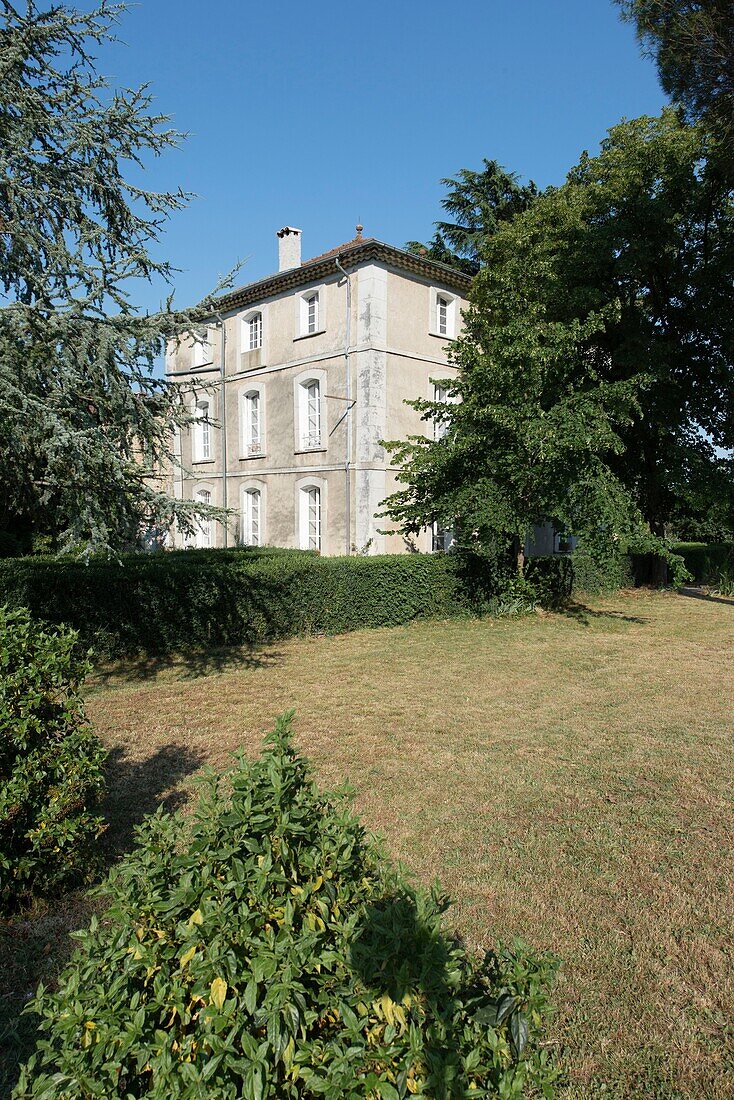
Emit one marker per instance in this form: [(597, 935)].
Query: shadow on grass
[(699, 594), (136, 788), (185, 666), (35, 944), (584, 615)]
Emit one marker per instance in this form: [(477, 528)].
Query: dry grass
[(570, 779)]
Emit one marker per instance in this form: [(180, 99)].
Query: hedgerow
[(275, 952), (162, 603), (51, 763)]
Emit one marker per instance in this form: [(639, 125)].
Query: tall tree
[(692, 42), (83, 419), (596, 366), (477, 203)]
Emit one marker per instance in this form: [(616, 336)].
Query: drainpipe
[(225, 521), (348, 463)]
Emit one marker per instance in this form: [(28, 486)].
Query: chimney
[(289, 248)]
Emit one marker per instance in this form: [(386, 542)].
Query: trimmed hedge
[(597, 578), (162, 603), (707, 562)]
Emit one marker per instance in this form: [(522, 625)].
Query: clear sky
[(322, 114)]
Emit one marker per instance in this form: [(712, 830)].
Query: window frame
[(300, 412), (303, 300), (246, 494), (203, 441), (204, 536), (304, 486), (245, 322), (247, 444), (437, 295), (199, 357)]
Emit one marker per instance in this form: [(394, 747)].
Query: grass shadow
[(186, 666), (699, 594), (585, 615)]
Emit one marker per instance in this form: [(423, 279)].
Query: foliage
[(478, 203), (531, 423), (167, 603), (51, 776), (692, 42), (83, 421), (596, 364), (278, 954), (707, 563)]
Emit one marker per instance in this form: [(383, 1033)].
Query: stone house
[(300, 377)]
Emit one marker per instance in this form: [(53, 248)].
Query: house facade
[(300, 377)]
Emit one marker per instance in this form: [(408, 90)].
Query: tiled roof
[(358, 250), (339, 248)]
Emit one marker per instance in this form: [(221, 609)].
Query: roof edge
[(326, 265)]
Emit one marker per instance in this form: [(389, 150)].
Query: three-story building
[(300, 378)]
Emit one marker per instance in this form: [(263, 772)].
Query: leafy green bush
[(161, 603), (277, 953), (707, 562), (51, 763), (596, 576), (188, 600)]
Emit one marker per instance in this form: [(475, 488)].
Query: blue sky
[(320, 114)]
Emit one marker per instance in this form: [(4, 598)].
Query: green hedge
[(598, 577), (707, 562), (162, 603)]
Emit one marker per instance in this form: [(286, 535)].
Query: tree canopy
[(83, 419), (595, 368), (477, 203), (692, 42)]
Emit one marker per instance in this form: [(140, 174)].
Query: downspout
[(225, 521), (348, 462)]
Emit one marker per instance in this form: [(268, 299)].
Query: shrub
[(277, 953), (162, 603), (51, 763), (707, 562)]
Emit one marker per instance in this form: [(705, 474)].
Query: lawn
[(568, 778)]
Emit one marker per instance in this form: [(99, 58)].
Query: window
[(202, 433), (254, 331), (442, 315), (201, 351), (440, 426), (442, 538), (442, 320), (252, 433), (204, 531), (312, 312), (310, 414), (310, 518), (310, 306), (252, 502)]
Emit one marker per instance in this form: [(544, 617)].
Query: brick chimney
[(289, 248)]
